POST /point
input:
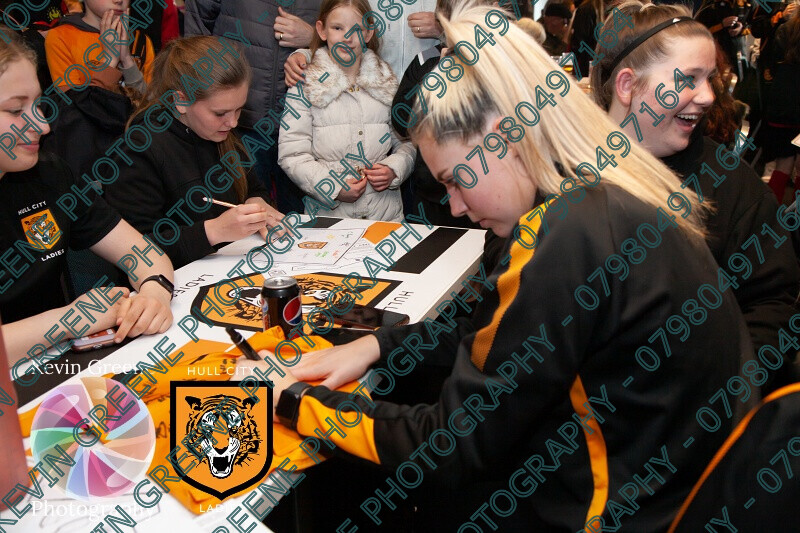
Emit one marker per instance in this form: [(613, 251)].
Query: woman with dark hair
[(193, 154)]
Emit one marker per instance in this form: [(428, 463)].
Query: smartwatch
[(288, 408), (161, 280)]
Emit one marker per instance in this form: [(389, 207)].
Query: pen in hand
[(277, 236), (218, 202), (242, 344)]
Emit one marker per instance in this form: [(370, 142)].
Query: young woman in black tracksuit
[(193, 155), (743, 204), (542, 352), (38, 226)]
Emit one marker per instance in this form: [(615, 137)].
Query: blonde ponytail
[(566, 135)]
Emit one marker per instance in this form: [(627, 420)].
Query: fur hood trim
[(375, 77)]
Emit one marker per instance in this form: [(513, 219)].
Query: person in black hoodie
[(193, 156), (425, 190), (743, 204)]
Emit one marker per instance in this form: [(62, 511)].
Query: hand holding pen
[(251, 360), (240, 221), (242, 344)]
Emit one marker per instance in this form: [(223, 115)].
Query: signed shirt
[(35, 233)]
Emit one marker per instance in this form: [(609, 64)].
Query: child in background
[(349, 114), (75, 36)]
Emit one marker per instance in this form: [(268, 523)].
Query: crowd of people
[(184, 128)]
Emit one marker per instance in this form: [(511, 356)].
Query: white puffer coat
[(342, 115)]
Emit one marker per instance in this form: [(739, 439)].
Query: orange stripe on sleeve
[(507, 288), (598, 456), (358, 440)]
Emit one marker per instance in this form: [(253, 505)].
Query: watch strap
[(161, 280), (288, 409)]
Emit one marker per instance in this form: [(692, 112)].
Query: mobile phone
[(360, 317), (339, 336), (95, 341)]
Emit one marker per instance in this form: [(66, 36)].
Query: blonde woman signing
[(569, 376)]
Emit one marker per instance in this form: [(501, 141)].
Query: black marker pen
[(242, 344)]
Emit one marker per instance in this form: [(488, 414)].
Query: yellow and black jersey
[(567, 369)]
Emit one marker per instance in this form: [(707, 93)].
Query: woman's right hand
[(236, 223), (294, 69), (339, 365), (357, 188)]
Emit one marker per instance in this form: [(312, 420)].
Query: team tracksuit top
[(530, 388)]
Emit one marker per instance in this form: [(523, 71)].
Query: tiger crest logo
[(41, 230), (241, 298), (227, 431)]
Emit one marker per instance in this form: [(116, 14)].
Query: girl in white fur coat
[(349, 113)]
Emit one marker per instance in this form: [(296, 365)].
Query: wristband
[(161, 280), (288, 409)]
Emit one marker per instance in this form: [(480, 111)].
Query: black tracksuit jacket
[(516, 392), (743, 204)]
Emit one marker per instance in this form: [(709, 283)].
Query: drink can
[(280, 305)]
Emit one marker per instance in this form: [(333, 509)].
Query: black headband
[(636, 42)]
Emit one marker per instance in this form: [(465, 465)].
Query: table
[(437, 261)]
